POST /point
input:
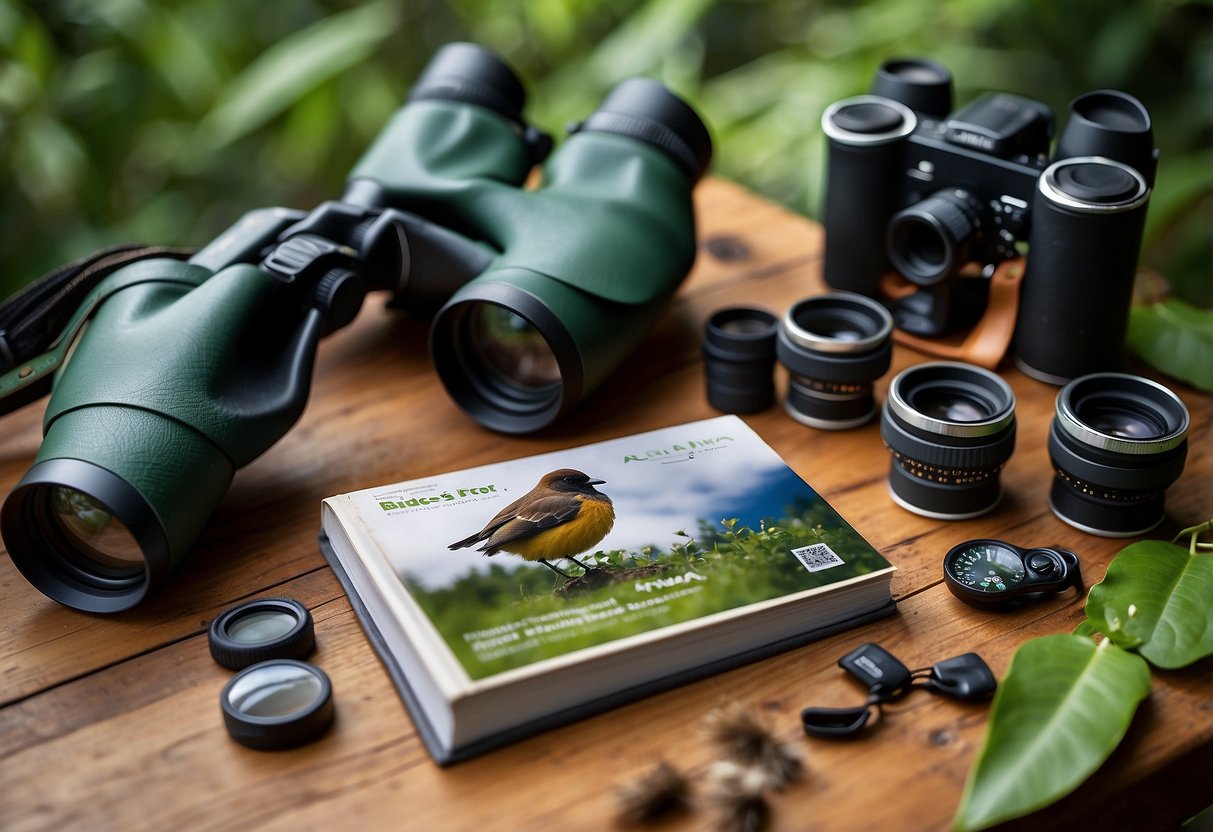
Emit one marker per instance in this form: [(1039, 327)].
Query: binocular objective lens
[(512, 355), (97, 538)]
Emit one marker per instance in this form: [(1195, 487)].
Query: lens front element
[(96, 538)]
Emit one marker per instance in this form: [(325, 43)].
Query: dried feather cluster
[(754, 761), (663, 791)]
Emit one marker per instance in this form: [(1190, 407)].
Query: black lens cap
[(277, 704), (268, 628), (867, 118), (922, 85), (1096, 183)]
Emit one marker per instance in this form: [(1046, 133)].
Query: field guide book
[(510, 598)]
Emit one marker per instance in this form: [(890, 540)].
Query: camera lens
[(950, 428), (1117, 442), (739, 359), (834, 346), (277, 704), (932, 240)]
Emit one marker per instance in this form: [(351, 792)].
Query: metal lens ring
[(1054, 189), (268, 628), (900, 121)]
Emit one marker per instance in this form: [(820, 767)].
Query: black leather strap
[(32, 318)]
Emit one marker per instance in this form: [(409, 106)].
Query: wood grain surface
[(114, 723)]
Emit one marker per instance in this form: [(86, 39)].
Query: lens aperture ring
[(1114, 474), (988, 454)]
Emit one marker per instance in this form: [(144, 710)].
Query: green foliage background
[(742, 566), (163, 120)]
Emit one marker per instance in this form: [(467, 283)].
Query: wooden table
[(113, 722)]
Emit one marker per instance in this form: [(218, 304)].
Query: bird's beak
[(595, 482)]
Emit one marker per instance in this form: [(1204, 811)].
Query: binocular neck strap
[(32, 318), (33, 321)]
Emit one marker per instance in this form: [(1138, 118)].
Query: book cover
[(631, 562)]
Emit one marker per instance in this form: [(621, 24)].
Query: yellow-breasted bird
[(562, 516)]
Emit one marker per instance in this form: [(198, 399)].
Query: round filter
[(268, 628), (277, 704)]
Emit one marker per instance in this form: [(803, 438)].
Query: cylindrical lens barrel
[(865, 135), (99, 535), (739, 359), (1117, 442), (1087, 220), (950, 428), (834, 346)]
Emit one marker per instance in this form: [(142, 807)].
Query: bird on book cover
[(562, 516)]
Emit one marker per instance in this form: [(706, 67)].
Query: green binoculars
[(171, 373)]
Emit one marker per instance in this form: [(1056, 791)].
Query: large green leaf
[(1176, 337), (1064, 705), (1155, 598)]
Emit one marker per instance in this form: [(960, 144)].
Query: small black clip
[(965, 677), (885, 677), (835, 723)]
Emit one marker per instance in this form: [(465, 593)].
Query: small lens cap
[(277, 704), (868, 118), (1096, 183), (268, 628)]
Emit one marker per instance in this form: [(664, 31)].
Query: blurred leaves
[(164, 121), (1176, 337), (294, 66)]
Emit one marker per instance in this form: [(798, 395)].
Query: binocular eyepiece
[(188, 370)]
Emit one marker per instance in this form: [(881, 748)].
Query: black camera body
[(922, 190)]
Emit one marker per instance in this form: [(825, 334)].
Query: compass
[(993, 573)]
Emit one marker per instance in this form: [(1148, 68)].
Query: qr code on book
[(817, 557)]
